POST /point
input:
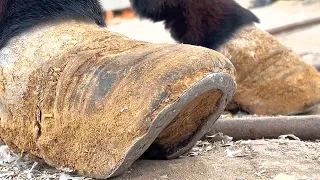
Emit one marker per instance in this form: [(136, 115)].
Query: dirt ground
[(250, 159), (259, 159), (241, 160)]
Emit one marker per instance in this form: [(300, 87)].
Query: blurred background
[(296, 23)]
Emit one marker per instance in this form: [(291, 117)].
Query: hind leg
[(152, 9)]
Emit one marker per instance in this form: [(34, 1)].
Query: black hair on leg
[(20, 15), (207, 23)]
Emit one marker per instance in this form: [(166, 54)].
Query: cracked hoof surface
[(95, 107)]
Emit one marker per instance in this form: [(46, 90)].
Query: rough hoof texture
[(182, 123), (271, 78), (193, 120), (94, 105)]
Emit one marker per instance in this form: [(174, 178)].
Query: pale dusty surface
[(259, 159)]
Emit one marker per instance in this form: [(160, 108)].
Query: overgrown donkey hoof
[(91, 101)]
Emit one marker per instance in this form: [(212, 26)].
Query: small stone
[(1, 143), (164, 177), (283, 176)]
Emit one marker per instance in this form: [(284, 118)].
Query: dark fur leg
[(148, 8), (3, 7), (207, 23), (21, 15)]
